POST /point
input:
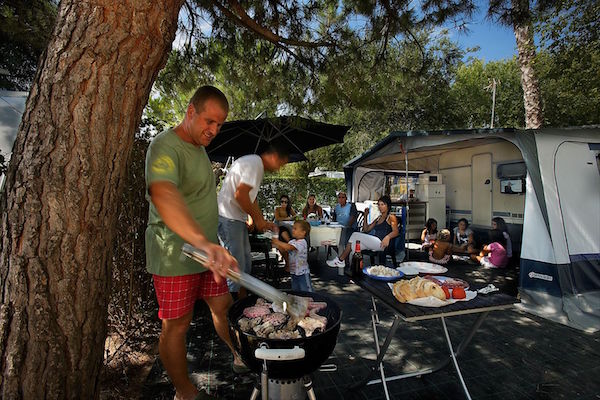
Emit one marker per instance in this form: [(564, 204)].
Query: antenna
[(492, 87)]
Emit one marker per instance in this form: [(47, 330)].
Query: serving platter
[(450, 282), (383, 278), (422, 267), (435, 302)]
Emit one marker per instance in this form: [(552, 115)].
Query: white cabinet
[(434, 197), (426, 192)]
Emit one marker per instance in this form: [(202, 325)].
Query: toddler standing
[(297, 250)]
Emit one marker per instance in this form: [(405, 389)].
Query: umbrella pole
[(406, 236)]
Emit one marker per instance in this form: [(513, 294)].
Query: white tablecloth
[(323, 235)]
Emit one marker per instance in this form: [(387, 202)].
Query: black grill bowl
[(317, 348)]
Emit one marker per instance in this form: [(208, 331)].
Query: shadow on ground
[(514, 355)]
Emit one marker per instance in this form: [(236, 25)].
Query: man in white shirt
[(237, 200)]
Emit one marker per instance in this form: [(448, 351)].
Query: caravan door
[(481, 186), (578, 181)]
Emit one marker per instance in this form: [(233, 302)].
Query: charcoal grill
[(285, 365)]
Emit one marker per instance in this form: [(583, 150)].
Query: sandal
[(240, 368)]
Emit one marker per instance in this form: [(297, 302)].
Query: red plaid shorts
[(176, 295)]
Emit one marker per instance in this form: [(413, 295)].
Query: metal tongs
[(296, 306)]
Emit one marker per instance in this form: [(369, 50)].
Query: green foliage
[(25, 29), (570, 63), (472, 95)]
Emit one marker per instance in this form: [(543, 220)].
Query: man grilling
[(180, 187)]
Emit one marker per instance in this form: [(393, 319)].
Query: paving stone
[(514, 355)]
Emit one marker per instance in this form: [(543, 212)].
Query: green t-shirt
[(186, 166)]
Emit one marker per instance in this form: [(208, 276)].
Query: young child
[(297, 250), (463, 238), (429, 234), (441, 251), (498, 223), (493, 255)]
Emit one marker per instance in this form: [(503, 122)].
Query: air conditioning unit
[(430, 179)]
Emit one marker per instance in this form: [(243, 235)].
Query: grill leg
[(264, 382), (255, 393), (309, 389)]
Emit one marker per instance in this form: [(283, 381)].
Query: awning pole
[(406, 238)]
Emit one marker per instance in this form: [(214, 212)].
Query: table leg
[(462, 381), (464, 343), (375, 309)]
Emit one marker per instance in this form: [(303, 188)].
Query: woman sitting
[(284, 212), (312, 207), (381, 232)]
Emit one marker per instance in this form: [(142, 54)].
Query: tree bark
[(62, 189), (532, 97)]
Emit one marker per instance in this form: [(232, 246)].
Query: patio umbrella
[(298, 135)]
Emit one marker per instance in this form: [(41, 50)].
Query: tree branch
[(239, 15)]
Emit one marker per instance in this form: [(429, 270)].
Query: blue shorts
[(302, 282), (234, 237)]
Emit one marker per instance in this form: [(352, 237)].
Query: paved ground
[(514, 355)]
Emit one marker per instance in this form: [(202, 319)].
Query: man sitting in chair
[(345, 213), (380, 234)]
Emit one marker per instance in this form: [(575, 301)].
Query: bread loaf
[(417, 287)]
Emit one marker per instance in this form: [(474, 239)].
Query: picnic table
[(380, 291)]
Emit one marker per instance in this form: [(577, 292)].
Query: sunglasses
[(284, 201)]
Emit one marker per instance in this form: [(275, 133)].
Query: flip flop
[(239, 369)]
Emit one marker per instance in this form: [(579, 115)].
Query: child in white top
[(429, 234), (463, 238), (297, 249)]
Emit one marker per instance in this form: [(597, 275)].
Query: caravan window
[(512, 170)]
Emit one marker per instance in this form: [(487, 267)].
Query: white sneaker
[(335, 263)]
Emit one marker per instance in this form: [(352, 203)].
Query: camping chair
[(396, 243)]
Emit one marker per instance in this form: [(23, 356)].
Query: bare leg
[(345, 253), (218, 308), (172, 350)]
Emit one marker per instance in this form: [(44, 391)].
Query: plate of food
[(421, 267), (448, 282), (382, 273), (426, 293)]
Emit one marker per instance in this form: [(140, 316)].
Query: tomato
[(446, 291), (459, 293)]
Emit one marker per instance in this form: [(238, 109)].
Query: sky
[(496, 42)]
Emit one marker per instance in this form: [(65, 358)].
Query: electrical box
[(434, 179)]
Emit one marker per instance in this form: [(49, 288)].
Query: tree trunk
[(62, 190), (526, 46)]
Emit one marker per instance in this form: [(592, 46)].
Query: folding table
[(482, 305)]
